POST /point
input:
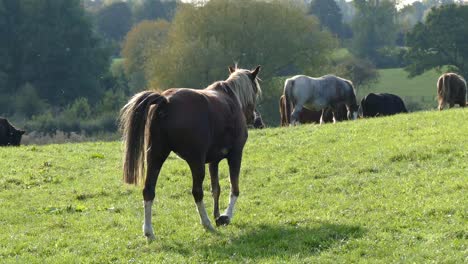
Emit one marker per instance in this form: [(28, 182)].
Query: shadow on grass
[(268, 241)]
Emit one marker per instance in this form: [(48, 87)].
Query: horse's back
[(453, 85), (458, 86), (318, 93), (200, 122)]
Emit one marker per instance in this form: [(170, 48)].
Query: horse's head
[(258, 121), (244, 84), (353, 112), (352, 106), (14, 138)]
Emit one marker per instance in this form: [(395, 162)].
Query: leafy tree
[(115, 20), (92, 6), (360, 72), (28, 102), (329, 15), (141, 46), (154, 9), (373, 27), (440, 41), (50, 45), (11, 16), (347, 10), (203, 40)]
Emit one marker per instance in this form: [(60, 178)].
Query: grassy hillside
[(380, 190), (420, 92)]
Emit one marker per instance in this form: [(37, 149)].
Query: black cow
[(382, 104), (9, 135)]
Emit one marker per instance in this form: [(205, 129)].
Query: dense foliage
[(70, 65), (329, 15), (440, 41), (203, 41), (114, 21), (141, 48), (154, 10), (50, 46), (374, 28)]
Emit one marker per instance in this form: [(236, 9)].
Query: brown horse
[(451, 89), (200, 126), (310, 116)]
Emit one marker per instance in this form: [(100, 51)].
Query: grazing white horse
[(318, 94)]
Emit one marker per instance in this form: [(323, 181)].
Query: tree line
[(70, 65)]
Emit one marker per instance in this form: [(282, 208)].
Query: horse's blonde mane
[(241, 85)]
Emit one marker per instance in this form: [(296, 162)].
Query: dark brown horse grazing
[(200, 126), (309, 116), (451, 89)]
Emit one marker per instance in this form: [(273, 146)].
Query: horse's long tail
[(288, 89), (444, 89), (133, 119), (446, 84), (282, 111)]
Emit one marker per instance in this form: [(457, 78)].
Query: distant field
[(419, 93), (382, 190), (420, 89)]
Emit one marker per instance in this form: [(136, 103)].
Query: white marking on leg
[(230, 210), (147, 228), (355, 115), (205, 220)]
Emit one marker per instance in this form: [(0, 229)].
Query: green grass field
[(420, 90), (383, 190)]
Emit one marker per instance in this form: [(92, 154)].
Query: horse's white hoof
[(148, 231)]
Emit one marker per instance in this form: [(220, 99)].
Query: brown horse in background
[(308, 116), (200, 126), (451, 89)]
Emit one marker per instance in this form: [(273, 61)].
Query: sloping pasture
[(378, 190)]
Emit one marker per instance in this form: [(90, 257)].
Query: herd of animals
[(451, 90), (209, 125), (205, 126)]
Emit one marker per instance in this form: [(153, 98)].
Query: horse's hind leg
[(198, 175), (441, 104), (321, 116), (234, 162), (333, 111), (215, 188), (155, 159), (295, 114)]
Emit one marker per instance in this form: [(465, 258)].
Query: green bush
[(79, 109), (81, 117), (268, 104), (27, 101), (391, 57)]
